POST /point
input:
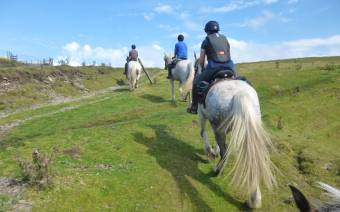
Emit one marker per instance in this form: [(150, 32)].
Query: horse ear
[(195, 55), (300, 199)]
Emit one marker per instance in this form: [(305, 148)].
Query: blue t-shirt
[(181, 50)]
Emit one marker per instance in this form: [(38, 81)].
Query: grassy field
[(137, 151)]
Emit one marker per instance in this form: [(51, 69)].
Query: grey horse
[(233, 106)]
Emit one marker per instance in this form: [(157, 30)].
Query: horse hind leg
[(136, 86), (136, 83), (221, 149), (207, 147), (172, 87)]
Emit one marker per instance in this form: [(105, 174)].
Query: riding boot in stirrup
[(169, 73)]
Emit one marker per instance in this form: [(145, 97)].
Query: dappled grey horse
[(233, 106)]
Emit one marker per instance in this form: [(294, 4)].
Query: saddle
[(203, 87), (174, 63)]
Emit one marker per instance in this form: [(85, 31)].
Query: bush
[(38, 171), (329, 67), (298, 67)]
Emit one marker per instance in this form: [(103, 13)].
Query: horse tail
[(187, 84), (249, 141), (332, 192), (132, 74)]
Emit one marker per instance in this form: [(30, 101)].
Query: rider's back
[(133, 54), (181, 50), (217, 48)]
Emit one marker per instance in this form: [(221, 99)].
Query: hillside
[(137, 151)]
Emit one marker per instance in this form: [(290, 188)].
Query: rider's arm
[(175, 51), (202, 57)]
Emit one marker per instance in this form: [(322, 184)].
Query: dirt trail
[(4, 128), (61, 100)]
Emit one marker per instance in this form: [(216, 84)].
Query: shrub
[(298, 67), (38, 171), (329, 67)]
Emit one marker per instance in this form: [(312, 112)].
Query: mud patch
[(11, 193), (304, 163), (72, 151)]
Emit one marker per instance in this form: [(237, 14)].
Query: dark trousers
[(207, 75), (173, 65)]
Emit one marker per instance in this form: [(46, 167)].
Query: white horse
[(133, 74), (182, 72), (233, 106)]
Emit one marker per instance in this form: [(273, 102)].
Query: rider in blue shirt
[(180, 53)]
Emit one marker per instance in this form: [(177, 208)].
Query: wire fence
[(33, 60), (26, 59)]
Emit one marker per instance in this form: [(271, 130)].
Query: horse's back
[(134, 68), (181, 71), (134, 65), (220, 97)]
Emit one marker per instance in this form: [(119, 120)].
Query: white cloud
[(243, 51), (163, 8), (231, 6), (302, 43), (152, 55), (148, 16), (270, 1), (258, 21), (157, 47), (71, 47), (236, 5)]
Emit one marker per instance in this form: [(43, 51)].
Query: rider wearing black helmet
[(217, 50), (133, 56)]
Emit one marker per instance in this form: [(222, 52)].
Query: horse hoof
[(252, 205), (213, 173), (217, 171), (212, 156)]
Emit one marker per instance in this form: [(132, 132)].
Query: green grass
[(30, 85), (153, 153)]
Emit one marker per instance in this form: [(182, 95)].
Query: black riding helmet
[(133, 46), (212, 27), (180, 37)]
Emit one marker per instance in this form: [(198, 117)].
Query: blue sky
[(104, 30)]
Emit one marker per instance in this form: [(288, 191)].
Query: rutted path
[(5, 127), (60, 100)]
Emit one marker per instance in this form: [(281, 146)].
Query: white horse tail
[(332, 192), (187, 85), (134, 70), (249, 142)]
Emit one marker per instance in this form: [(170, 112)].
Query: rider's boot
[(169, 73), (125, 70), (194, 105)]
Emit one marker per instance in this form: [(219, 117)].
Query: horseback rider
[(133, 56), (180, 53), (217, 49)]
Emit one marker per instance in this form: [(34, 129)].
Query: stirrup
[(169, 77)]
